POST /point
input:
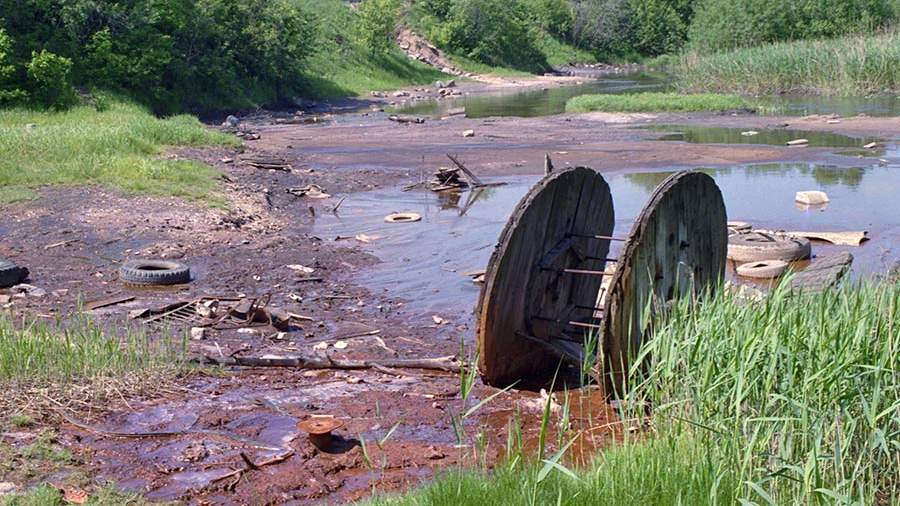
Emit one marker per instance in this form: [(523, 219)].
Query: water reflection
[(423, 262), (773, 136)]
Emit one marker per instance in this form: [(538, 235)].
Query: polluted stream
[(431, 263)]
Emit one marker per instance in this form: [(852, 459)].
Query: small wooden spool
[(529, 299)]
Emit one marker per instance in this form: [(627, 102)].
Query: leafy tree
[(658, 26), (605, 27), (552, 16), (9, 93), (49, 76), (378, 23)]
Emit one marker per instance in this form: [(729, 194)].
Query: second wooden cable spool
[(542, 283)]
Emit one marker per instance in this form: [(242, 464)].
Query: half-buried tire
[(757, 246), (154, 273), (11, 274)]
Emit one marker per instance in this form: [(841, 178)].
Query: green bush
[(551, 16), (173, 55), (658, 27), (378, 24), (437, 8), (49, 78), (494, 32), (9, 93), (604, 26), (728, 24)]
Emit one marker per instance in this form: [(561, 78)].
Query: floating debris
[(403, 218)]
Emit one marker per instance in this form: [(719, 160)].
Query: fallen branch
[(449, 364), (472, 177)]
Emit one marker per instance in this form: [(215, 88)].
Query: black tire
[(154, 273), (11, 274)]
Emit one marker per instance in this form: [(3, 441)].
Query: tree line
[(201, 55)]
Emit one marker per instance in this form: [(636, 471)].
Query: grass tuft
[(658, 102), (856, 65), (118, 147)]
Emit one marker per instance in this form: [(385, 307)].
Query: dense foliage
[(172, 55), (729, 24)]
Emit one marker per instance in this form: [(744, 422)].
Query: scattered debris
[(301, 268), (406, 119), (871, 145), (25, 289), (229, 313), (812, 197), (739, 227), (366, 239), (319, 429), (798, 142), (403, 218), (749, 133), (231, 121), (108, 301), (321, 346), (198, 333), (468, 133), (447, 179), (226, 160), (312, 191), (438, 320), (850, 238), (340, 345), (322, 361), (60, 243), (266, 163)]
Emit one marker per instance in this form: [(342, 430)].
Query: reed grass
[(790, 400), (118, 146), (854, 65), (658, 102)]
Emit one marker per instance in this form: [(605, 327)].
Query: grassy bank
[(793, 400), (858, 65), (341, 66), (118, 147), (658, 102)]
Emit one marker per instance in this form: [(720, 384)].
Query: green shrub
[(378, 24), (604, 26), (9, 93), (437, 8), (728, 24), (551, 16), (658, 27), (494, 32), (49, 77)]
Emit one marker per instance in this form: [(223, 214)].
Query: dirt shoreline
[(245, 250)]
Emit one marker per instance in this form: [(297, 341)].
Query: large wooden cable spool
[(677, 247), (542, 281)]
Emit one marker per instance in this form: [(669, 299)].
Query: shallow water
[(546, 102), (424, 262), (769, 136)]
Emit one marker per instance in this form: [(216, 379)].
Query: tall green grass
[(658, 102), (855, 65), (117, 147), (40, 353), (791, 400)]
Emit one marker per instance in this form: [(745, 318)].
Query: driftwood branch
[(449, 364)]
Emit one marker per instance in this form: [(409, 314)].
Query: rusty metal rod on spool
[(573, 323), (613, 260), (588, 272), (607, 237)]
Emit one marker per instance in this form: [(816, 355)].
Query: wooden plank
[(108, 301), (823, 273)]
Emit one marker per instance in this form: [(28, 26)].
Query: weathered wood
[(822, 274), (526, 291), (677, 246)]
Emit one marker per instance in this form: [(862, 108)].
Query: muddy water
[(545, 102), (425, 262)]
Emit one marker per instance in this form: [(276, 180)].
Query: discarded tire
[(757, 246), (764, 269), (154, 273), (11, 274), (402, 218)]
